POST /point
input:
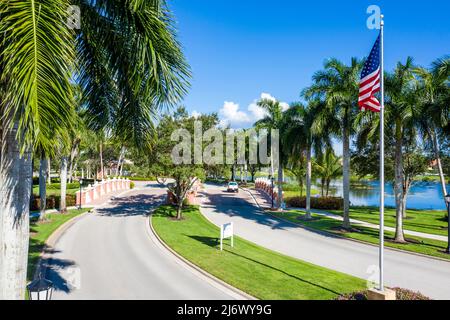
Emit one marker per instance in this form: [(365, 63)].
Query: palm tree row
[(126, 61), (416, 109)]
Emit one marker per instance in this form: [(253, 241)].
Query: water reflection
[(422, 195)]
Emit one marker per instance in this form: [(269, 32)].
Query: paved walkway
[(264, 202)]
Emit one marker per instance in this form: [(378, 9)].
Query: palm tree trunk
[(63, 176), (280, 185), (101, 161), (346, 174), (398, 184), (43, 174), (15, 181), (308, 183), (49, 171), (437, 154)]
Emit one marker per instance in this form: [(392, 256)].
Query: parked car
[(232, 187)]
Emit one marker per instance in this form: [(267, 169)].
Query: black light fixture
[(447, 200), (40, 289)]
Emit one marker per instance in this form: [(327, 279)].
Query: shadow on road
[(135, 205), (233, 206)]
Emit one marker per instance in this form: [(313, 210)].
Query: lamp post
[(81, 183), (447, 200), (271, 192), (40, 289)]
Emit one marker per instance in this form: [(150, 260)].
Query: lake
[(422, 195)]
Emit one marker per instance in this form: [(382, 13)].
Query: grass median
[(415, 244), (260, 272), (41, 231)]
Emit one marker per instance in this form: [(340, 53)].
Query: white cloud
[(284, 106), (230, 114), (267, 96), (195, 114)]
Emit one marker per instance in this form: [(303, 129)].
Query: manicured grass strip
[(427, 221), (419, 245), (41, 231), (262, 273), (54, 192)]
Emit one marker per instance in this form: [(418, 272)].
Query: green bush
[(325, 203), (52, 202), (131, 185), (401, 294)]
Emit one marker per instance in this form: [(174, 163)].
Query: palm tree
[(128, 64), (302, 138), (274, 121), (328, 167), (337, 87), (434, 85)]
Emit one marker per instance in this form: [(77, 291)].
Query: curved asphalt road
[(429, 276), (109, 255)]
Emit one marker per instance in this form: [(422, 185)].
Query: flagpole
[(381, 255)]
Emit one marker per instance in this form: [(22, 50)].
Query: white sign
[(226, 231)]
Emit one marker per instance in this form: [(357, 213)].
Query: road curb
[(216, 282), (341, 237)]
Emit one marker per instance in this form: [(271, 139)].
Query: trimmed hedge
[(325, 203), (52, 202)]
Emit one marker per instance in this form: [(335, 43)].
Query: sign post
[(226, 231)]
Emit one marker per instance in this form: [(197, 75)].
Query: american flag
[(370, 80)]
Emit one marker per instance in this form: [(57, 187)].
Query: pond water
[(422, 195)]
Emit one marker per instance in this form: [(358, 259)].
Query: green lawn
[(54, 192), (41, 231), (260, 272), (427, 221), (420, 245), (296, 193)]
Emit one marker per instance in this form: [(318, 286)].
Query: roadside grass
[(41, 231), (296, 193), (429, 247), (427, 221), (260, 272), (54, 192)]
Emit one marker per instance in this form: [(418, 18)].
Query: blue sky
[(239, 49)]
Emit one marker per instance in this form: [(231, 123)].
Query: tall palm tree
[(301, 137), (434, 84), (128, 63), (337, 86), (274, 120)]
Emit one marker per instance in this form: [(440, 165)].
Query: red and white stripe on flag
[(368, 86)]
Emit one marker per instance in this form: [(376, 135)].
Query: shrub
[(401, 294), (325, 203), (131, 185), (52, 202)]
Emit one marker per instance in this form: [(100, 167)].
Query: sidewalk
[(264, 202)]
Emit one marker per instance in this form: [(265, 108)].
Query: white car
[(232, 187)]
